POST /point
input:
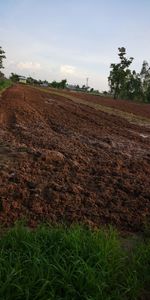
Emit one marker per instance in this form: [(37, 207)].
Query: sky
[(70, 39)]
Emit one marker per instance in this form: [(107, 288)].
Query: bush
[(4, 84)]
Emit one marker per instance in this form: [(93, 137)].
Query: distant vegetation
[(2, 56), (128, 84), (124, 83), (4, 83), (54, 84), (75, 262)]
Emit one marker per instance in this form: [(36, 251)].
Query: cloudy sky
[(72, 39)]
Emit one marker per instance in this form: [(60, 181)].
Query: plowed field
[(138, 109), (62, 161)]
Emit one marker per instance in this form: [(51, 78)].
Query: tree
[(59, 85), (147, 94), (62, 84), (132, 88), (54, 84), (2, 56), (85, 88), (14, 77), (30, 80), (120, 73), (145, 71), (145, 78)]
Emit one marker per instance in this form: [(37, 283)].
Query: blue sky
[(73, 39)]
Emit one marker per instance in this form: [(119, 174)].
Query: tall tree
[(2, 56), (133, 87), (14, 77), (145, 77), (59, 85), (119, 73), (62, 84)]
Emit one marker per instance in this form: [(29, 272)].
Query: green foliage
[(33, 81), (4, 84), (120, 73), (145, 79), (132, 88), (147, 94), (70, 263), (128, 84), (59, 85), (2, 56), (84, 88), (30, 80), (14, 77)]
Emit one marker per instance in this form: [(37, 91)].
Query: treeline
[(4, 82), (126, 83), (54, 84), (29, 80)]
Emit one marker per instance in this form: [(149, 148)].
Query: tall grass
[(70, 263), (4, 84)]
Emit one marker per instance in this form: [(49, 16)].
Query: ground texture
[(138, 109), (62, 161)]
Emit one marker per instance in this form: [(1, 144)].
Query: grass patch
[(4, 84), (70, 263)]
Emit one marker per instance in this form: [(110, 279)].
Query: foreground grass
[(4, 84), (74, 263)]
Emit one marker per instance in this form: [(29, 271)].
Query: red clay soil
[(65, 162), (138, 109)]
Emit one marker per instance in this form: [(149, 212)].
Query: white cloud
[(66, 69), (12, 62), (76, 75), (29, 66)]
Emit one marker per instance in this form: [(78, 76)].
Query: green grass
[(4, 84), (70, 263)]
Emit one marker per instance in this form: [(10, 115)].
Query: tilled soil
[(139, 109), (64, 162)]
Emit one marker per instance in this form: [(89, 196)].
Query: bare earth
[(62, 161), (139, 109)]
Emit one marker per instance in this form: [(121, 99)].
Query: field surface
[(73, 158), (138, 109)]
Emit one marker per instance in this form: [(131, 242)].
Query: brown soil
[(65, 162), (138, 109)]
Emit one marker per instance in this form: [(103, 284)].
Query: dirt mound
[(65, 162)]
